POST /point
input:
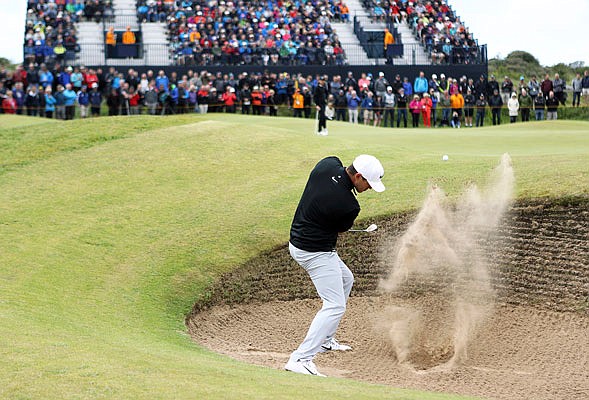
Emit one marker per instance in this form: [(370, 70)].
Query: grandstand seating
[(253, 32), (257, 32), (50, 34)]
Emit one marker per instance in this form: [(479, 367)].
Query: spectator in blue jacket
[(83, 101), (407, 87), (45, 76), (420, 85), (49, 102), (353, 103), (95, 99), (60, 103), (162, 80), (70, 101), (368, 107)]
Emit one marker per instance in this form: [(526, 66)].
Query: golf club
[(371, 228)]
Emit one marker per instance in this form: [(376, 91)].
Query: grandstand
[(262, 33)]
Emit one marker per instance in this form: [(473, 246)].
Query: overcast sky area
[(552, 31)]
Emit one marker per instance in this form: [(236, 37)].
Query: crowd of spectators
[(261, 32), (378, 101), (446, 39), (50, 34)]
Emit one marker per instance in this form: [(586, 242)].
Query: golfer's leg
[(347, 282), (326, 273)]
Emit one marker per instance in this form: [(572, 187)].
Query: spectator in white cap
[(380, 85), (327, 207)]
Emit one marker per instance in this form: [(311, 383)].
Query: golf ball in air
[(445, 157)]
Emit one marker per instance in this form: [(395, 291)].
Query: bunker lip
[(531, 346)]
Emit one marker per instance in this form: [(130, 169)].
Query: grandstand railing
[(404, 55)]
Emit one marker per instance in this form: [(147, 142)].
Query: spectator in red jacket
[(546, 86), (229, 98), (9, 104)]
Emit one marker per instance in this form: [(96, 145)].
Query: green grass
[(111, 228)]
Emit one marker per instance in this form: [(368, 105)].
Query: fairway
[(112, 228)]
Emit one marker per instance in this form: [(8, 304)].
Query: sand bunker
[(532, 343)]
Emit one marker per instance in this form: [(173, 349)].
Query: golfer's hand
[(318, 108)]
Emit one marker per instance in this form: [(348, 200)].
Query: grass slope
[(111, 228)]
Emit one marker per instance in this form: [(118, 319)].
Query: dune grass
[(111, 228)]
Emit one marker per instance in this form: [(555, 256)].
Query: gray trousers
[(333, 281)]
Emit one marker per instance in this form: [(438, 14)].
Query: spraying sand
[(441, 252)]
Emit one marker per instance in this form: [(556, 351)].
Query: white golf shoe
[(302, 367), (334, 345)]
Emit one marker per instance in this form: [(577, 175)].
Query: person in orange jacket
[(257, 98), (298, 103), (128, 36), (426, 110), (457, 104)]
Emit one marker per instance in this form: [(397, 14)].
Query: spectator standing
[(307, 101), (95, 100), (113, 101), (246, 99), (128, 36), (415, 108), (381, 84), (298, 103), (577, 89), (402, 103), (407, 87), (551, 106), (389, 40), (495, 103), (469, 105), (368, 108), (378, 110), (559, 86), (506, 89), (77, 80), (457, 104), (257, 101), (525, 104), (585, 86), (389, 101), (491, 86), (9, 103), (32, 101), (70, 102), (426, 110), (84, 101), (49, 102), (539, 106), (433, 96), (353, 104), (420, 86), (60, 103), (546, 86), (513, 108), (341, 104), (19, 96), (533, 87), (397, 84), (151, 99), (481, 106), (111, 42), (229, 99), (446, 108)]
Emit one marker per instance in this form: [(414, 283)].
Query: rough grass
[(111, 228)]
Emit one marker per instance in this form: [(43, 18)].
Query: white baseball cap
[(371, 169)]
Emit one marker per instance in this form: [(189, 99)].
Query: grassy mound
[(111, 228)]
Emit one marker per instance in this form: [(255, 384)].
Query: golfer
[(328, 206)]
